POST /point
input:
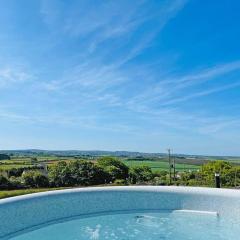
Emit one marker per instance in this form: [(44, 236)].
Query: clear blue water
[(141, 226)]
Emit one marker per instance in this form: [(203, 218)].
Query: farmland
[(154, 161), (34, 172), (161, 165)]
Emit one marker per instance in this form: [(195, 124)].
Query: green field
[(12, 193), (156, 164), (11, 166), (24, 162), (161, 165)]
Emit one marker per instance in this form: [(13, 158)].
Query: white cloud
[(96, 75), (99, 21), (173, 90), (13, 75), (202, 93)]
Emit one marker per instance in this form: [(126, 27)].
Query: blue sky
[(120, 75)]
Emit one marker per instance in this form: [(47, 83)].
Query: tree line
[(109, 170)]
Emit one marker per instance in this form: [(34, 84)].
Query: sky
[(120, 75)]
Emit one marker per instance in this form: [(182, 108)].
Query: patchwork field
[(161, 165), (156, 164)]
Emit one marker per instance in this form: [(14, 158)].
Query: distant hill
[(29, 152), (97, 153)]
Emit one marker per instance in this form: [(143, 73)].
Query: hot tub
[(135, 212)]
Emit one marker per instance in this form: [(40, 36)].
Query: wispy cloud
[(91, 122), (206, 74), (172, 90), (110, 20), (97, 73), (101, 67), (202, 93), (12, 75)]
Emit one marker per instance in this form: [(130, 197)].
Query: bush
[(120, 182), (28, 178), (115, 168), (161, 181), (82, 173), (140, 174), (4, 157), (76, 173), (41, 180), (16, 183), (17, 172), (59, 175), (34, 179), (4, 182)]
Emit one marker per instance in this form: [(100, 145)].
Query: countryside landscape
[(119, 120), (28, 171)]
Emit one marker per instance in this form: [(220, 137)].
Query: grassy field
[(155, 164), (12, 193), (20, 162), (160, 165), (10, 166)]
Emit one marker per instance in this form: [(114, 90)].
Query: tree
[(4, 157), (41, 180), (100, 175), (87, 173), (4, 182), (34, 160), (216, 166), (60, 175), (116, 168), (140, 174), (81, 172), (28, 178), (209, 170), (34, 179)]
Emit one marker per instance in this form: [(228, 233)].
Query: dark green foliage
[(140, 174), (86, 173), (17, 172), (4, 157), (34, 179), (28, 178), (16, 183), (116, 168), (59, 175), (81, 172), (120, 182), (41, 180), (110, 170), (229, 174), (4, 182), (33, 160)]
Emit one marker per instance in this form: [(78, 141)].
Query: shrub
[(60, 175), (120, 182), (4, 157), (17, 172), (34, 179), (140, 174), (16, 183), (115, 168), (41, 180), (4, 182), (78, 172)]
